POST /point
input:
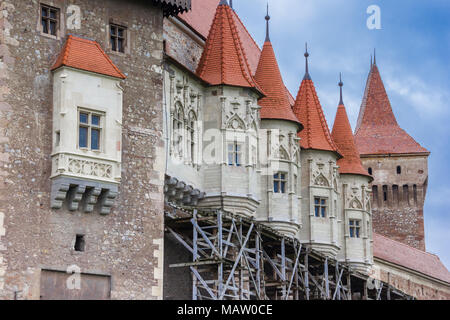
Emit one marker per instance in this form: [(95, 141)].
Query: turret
[(398, 164), (230, 119), (320, 178), (354, 211), (280, 181)]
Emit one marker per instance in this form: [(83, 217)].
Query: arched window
[(370, 171), (399, 170), (178, 119), (191, 136)]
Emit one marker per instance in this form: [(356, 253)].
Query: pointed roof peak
[(275, 105), (374, 56), (342, 135), (267, 24), (316, 134), (377, 130), (341, 84), (87, 55), (307, 76), (223, 3), (224, 61)]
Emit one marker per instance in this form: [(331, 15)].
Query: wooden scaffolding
[(235, 258)]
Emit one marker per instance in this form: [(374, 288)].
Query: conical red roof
[(224, 60), (307, 108), (343, 137), (377, 130), (276, 103), (86, 55)]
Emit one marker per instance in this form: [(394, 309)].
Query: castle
[(114, 114)]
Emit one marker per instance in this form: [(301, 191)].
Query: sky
[(412, 52)]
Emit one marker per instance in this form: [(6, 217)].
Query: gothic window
[(234, 154), (370, 171), (178, 119), (279, 182), (399, 170), (320, 207), (117, 38), (191, 136), (89, 130), (49, 19), (354, 228)]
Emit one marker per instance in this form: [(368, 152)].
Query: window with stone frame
[(118, 37), (235, 154), (49, 20), (191, 136), (355, 228), (90, 126), (320, 207), (178, 127), (280, 182)]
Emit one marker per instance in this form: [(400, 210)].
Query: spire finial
[(371, 62), (341, 84), (231, 4), (223, 3), (374, 57), (307, 76), (267, 24)]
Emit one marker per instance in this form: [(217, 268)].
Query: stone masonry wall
[(398, 198), (127, 244), (420, 287)]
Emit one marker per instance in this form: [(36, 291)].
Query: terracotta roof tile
[(307, 108), (86, 55), (276, 103), (409, 257), (224, 60), (377, 130), (343, 137)]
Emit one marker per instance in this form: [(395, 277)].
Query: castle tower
[(280, 181), (354, 217), (320, 178), (230, 120), (398, 164)]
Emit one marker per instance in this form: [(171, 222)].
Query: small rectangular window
[(320, 207), (89, 130), (234, 154), (117, 38), (279, 182), (354, 228), (49, 19)]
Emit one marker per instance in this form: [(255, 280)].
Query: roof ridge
[(87, 55), (405, 245), (99, 48), (246, 30)]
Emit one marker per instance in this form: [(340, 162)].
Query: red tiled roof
[(343, 137), (307, 108), (409, 257), (86, 55), (224, 60), (276, 103), (200, 19), (377, 130)]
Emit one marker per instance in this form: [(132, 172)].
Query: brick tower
[(398, 164)]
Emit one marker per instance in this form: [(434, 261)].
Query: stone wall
[(398, 198), (125, 245), (412, 283)]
